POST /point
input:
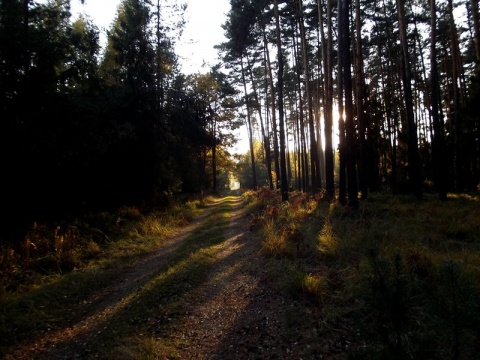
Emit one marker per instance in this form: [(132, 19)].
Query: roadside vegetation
[(58, 267), (398, 278), (59, 247)]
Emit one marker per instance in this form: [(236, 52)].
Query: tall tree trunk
[(344, 53), (476, 32), (413, 156), (476, 25), (250, 128), (266, 141), (328, 93), (26, 36), (318, 135), (314, 163), (294, 155), (159, 84), (391, 101), (303, 141), (283, 165), (456, 57), (438, 145), (360, 109), (342, 186), (423, 90), (458, 103), (300, 179), (274, 112), (214, 158)]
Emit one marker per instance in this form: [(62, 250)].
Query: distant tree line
[(85, 130), (349, 97)]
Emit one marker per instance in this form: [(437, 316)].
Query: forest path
[(204, 294)]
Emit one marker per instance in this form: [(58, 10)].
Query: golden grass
[(274, 243), (315, 285)]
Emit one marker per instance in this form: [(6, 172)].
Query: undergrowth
[(61, 247), (399, 275), (39, 291)]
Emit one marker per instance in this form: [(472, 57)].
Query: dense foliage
[(86, 128)]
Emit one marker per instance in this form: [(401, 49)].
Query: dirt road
[(204, 294)]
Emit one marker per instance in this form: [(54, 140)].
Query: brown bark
[(266, 140), (249, 127), (274, 116)]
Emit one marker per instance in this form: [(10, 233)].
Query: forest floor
[(203, 294)]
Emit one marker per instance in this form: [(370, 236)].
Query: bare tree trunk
[(300, 179), (476, 30), (456, 57), (296, 143), (314, 165), (438, 137), (344, 53), (302, 138), (250, 129), (266, 141), (342, 186), (360, 109), (214, 159), (458, 103), (328, 93), (413, 156), (159, 84), (274, 116), (283, 165)]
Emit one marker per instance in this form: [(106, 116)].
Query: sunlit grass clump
[(315, 285), (274, 243), (327, 240)]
